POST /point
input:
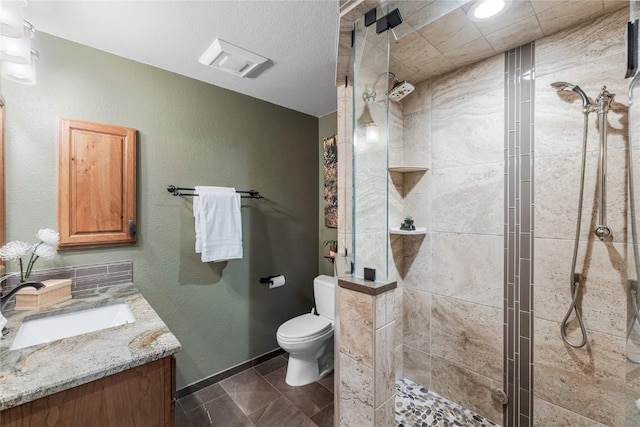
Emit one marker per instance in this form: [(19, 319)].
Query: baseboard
[(206, 382)]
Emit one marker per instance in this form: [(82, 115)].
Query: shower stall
[(489, 157), (432, 161)]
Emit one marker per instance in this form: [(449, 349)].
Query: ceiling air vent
[(232, 59)]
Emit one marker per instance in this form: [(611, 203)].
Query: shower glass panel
[(633, 321), (370, 152)]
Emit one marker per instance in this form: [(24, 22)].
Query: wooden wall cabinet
[(143, 396), (96, 184)]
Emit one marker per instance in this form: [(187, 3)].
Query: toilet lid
[(306, 325)]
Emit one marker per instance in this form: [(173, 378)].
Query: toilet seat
[(305, 327)]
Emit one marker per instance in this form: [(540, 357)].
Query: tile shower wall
[(452, 308), (585, 386), (452, 302), (366, 328)]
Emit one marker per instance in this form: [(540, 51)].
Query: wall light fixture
[(20, 73), (18, 50)]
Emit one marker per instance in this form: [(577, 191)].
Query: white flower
[(14, 250), (48, 236), (45, 251)]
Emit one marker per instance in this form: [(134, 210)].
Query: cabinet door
[(143, 396), (96, 184)]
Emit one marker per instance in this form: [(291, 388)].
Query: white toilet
[(308, 338)]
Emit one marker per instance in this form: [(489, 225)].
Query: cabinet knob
[(132, 228)]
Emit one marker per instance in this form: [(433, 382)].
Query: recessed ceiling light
[(484, 9)]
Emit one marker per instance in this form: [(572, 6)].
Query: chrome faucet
[(6, 298)]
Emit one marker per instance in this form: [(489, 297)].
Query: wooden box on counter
[(54, 291)]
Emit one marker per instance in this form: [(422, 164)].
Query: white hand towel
[(199, 189), (218, 224)]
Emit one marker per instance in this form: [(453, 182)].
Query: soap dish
[(54, 291)]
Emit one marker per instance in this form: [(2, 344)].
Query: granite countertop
[(30, 373)]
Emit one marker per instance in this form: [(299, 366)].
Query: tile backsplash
[(85, 279)]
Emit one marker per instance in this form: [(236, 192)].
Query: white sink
[(51, 328)]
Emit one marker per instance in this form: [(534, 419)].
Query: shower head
[(400, 90), (560, 86)]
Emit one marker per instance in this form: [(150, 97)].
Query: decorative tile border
[(518, 235)]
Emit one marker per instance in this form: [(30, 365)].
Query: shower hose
[(576, 279)]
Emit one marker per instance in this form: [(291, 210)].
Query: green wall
[(189, 133), (327, 126)]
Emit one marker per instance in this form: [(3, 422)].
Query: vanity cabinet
[(143, 396), (96, 184)]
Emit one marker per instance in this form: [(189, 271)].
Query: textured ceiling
[(437, 36), (299, 38)]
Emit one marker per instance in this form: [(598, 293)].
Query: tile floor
[(259, 397), (417, 407)]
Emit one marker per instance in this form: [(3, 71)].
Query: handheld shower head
[(560, 86)]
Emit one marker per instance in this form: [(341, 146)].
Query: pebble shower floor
[(418, 407)]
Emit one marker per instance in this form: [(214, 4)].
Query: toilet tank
[(324, 288)]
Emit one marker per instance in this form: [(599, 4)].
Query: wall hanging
[(330, 146)]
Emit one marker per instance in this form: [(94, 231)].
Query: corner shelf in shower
[(418, 231), (405, 169)]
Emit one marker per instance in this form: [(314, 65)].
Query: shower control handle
[(499, 396), (603, 231)]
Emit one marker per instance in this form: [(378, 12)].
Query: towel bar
[(177, 191)]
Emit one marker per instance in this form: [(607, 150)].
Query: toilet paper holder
[(269, 279)]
